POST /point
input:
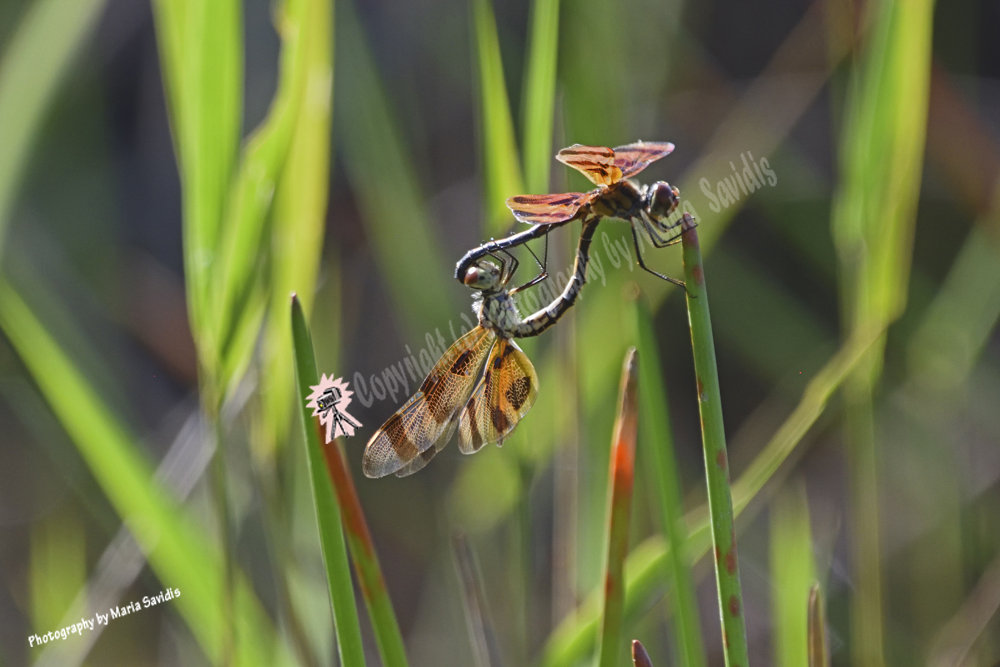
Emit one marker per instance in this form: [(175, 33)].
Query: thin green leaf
[(502, 171), (58, 567), (622, 475), (209, 99), (366, 563), (299, 218), (539, 94), (385, 182), (713, 436), (328, 514), (873, 220), (575, 635), (180, 553), (665, 479), (303, 96), (43, 49), (793, 572)]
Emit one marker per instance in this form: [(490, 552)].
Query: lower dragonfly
[(450, 397), (645, 208)]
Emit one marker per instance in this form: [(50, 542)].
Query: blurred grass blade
[(665, 479), (720, 502), (793, 572), (502, 171), (481, 634), (299, 217), (570, 641), (959, 635), (328, 516), (620, 480), (42, 49), (202, 41), (299, 112), (178, 550), (819, 656), (58, 567), (958, 323), (873, 219), (366, 563), (639, 656), (539, 94), (385, 182)]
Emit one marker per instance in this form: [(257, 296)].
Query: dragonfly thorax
[(624, 200), (499, 312)]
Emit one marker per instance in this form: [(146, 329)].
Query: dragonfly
[(484, 384), (645, 208)]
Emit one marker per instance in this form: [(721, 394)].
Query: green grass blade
[(396, 217), (666, 481), (620, 483), (178, 550), (540, 94), (958, 323), (58, 567), (873, 220), (34, 63), (209, 96), (299, 112), (819, 656), (720, 502), (793, 572), (366, 562), (299, 218), (574, 636), (328, 514), (502, 171)]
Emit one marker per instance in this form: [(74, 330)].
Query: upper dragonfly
[(648, 207), (450, 397)]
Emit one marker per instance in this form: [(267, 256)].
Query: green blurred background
[(170, 172)]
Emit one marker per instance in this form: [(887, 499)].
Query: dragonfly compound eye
[(663, 199), (482, 277)]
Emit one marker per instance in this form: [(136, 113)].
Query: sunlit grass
[(254, 222)]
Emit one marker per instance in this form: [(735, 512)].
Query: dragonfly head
[(483, 275), (663, 199)]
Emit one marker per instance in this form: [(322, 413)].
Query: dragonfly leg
[(507, 266), (543, 265), (638, 254), (685, 223)]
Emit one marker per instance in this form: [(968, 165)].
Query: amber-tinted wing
[(420, 424), (502, 398), (548, 209), (595, 162), (635, 157), (429, 453)]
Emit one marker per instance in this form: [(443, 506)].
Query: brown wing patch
[(595, 162), (502, 398), (548, 209), (633, 158), (427, 420)]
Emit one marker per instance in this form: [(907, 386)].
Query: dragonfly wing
[(503, 397), (420, 424), (595, 162), (548, 209), (633, 158)]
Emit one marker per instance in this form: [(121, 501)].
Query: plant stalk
[(720, 502)]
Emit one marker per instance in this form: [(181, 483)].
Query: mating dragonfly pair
[(488, 411)]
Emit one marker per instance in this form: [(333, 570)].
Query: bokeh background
[(143, 303)]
